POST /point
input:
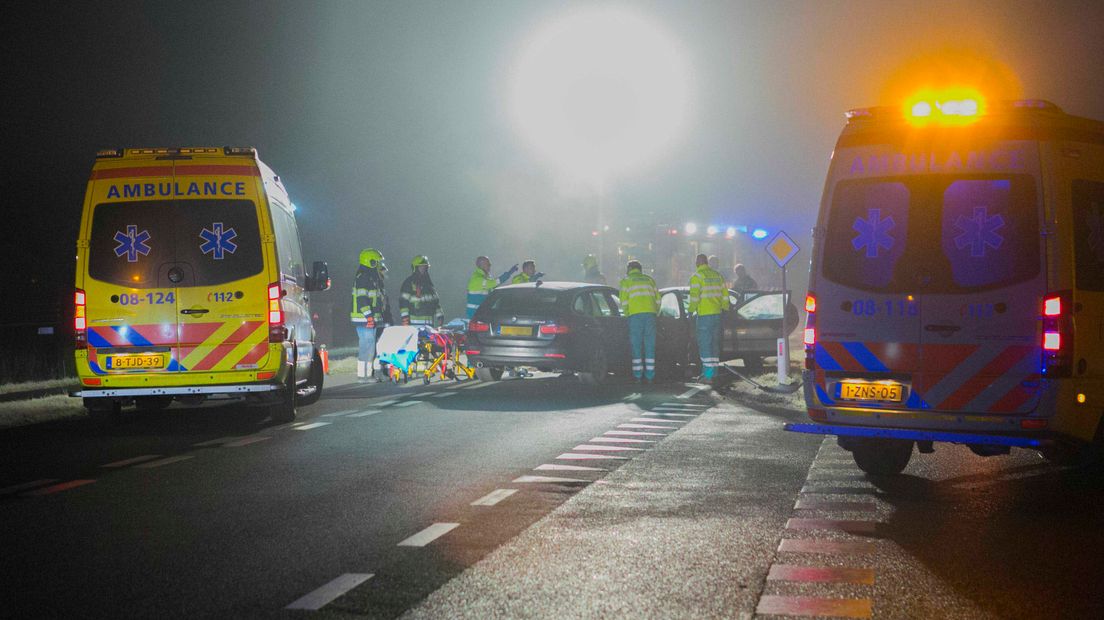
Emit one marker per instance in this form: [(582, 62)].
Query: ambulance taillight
[(80, 319), (277, 332), (1057, 335), (810, 331)]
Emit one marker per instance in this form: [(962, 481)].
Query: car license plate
[(873, 392), (514, 330), (128, 362)]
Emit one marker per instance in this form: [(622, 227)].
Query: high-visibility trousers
[(642, 337)]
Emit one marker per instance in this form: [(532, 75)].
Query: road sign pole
[(783, 341)]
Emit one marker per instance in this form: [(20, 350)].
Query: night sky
[(388, 122)]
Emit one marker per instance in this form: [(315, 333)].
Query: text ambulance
[(190, 284), (957, 285)]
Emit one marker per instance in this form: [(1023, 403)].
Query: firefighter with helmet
[(370, 309), (418, 300), (480, 284), (591, 273)]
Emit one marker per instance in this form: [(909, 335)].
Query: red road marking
[(57, 488), (815, 606), (820, 574)]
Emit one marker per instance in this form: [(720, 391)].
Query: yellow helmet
[(590, 262), (371, 258), (419, 260)]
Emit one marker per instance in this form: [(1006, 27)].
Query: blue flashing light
[(759, 233), (916, 435)]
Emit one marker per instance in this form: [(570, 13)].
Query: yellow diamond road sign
[(782, 248)]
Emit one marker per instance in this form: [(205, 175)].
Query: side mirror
[(319, 278)]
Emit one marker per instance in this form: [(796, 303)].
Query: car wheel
[(488, 373), (884, 457), (599, 369), (312, 391), (283, 410), (152, 403)]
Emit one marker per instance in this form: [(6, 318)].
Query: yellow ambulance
[(190, 284), (957, 284)]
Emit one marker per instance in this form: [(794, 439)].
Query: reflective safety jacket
[(708, 294), (521, 278), (419, 303), (369, 297), (639, 294), (479, 286)]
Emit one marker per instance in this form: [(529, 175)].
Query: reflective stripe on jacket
[(639, 294), (417, 303), (708, 294)]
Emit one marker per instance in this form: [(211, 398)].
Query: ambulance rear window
[(933, 233), (136, 244), (1088, 234)]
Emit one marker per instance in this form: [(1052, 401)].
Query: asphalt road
[(523, 499)]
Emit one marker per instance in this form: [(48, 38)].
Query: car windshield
[(765, 307), (523, 301), (135, 244), (935, 233)]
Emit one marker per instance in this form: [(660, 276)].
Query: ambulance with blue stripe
[(190, 284), (957, 284)]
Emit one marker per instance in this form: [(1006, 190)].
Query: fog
[(390, 126)]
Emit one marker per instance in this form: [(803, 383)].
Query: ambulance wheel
[(104, 413), (489, 373), (882, 457), (313, 389), (152, 403), (283, 410)]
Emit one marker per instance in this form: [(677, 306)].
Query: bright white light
[(599, 92), (759, 233), (690, 228), (730, 232), (712, 230)]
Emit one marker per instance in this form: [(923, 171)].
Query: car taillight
[(478, 327), (809, 337), (1057, 335), (80, 319), (277, 332), (550, 329)]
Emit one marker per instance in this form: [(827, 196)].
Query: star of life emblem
[(979, 232), (132, 243), (873, 233), (217, 242)]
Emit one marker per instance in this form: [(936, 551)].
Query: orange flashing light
[(952, 106)]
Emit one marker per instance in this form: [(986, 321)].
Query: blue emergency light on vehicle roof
[(759, 233)]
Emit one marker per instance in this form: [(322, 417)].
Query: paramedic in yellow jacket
[(708, 299), (480, 284), (528, 273), (640, 302), (418, 300)]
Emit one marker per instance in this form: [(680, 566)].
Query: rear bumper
[(1015, 441), (206, 390), (522, 356)]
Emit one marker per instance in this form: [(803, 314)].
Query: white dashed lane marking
[(245, 441), (494, 497), (814, 606), (635, 433), (361, 414), (559, 467), (820, 574), (692, 391), (326, 594), (337, 413), (213, 442), (523, 479), (622, 440), (668, 414), (574, 456), (137, 459), (835, 525), (652, 426), (443, 395), (409, 403), (429, 535), (631, 397), (385, 403), (23, 486), (827, 547), (477, 386), (811, 503), (307, 427), (653, 420), (166, 461), (593, 448), (57, 488)]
